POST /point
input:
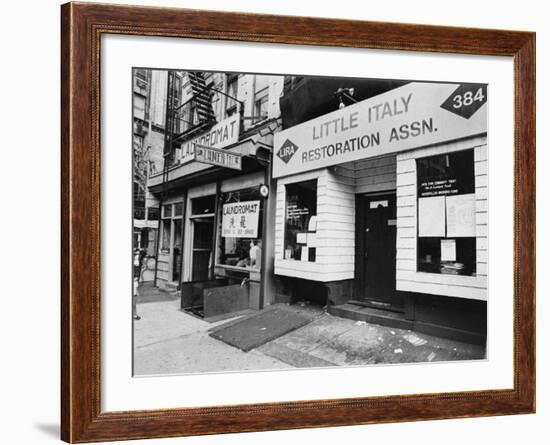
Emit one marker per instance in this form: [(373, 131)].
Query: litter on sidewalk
[(415, 340)]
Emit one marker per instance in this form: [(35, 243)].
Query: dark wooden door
[(378, 248), (176, 251), (203, 233)]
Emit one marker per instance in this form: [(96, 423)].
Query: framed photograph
[(276, 222)]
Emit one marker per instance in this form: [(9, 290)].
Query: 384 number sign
[(466, 99)]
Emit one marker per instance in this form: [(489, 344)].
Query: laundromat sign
[(411, 116), (221, 135), (240, 219)]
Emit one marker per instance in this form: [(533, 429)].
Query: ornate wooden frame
[(81, 27)]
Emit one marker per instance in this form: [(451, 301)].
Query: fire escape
[(184, 120)]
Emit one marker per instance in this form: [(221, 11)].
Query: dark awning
[(312, 97), (249, 165)]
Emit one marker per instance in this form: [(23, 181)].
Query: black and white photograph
[(278, 222), (283, 221)]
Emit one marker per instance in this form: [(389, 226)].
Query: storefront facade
[(213, 245), (381, 209)]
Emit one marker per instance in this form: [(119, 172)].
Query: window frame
[(261, 228), (285, 215), (259, 96), (470, 190)]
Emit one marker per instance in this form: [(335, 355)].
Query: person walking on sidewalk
[(139, 254)]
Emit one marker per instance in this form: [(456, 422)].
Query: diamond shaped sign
[(287, 150), (466, 99)]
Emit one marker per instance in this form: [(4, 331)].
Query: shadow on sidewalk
[(147, 293)]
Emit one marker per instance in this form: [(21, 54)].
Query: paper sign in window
[(301, 238), (312, 226), (376, 204), (461, 216), (448, 250), (431, 216)]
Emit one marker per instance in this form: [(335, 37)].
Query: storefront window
[(170, 212), (167, 211), (446, 214), (204, 205), (241, 227), (165, 235), (178, 209), (260, 104), (301, 221), (217, 101), (232, 91)]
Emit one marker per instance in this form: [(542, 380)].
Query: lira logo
[(287, 150)]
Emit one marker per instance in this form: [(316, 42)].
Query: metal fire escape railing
[(183, 121), (169, 122), (186, 119)]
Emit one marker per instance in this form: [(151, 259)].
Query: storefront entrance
[(176, 250), (203, 232), (376, 250)]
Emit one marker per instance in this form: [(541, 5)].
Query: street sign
[(215, 156)]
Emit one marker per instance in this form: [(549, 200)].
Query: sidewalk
[(334, 341), (169, 341)]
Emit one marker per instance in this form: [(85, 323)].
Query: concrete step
[(171, 287), (371, 315)]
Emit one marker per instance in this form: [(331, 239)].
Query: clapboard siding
[(459, 291), (407, 277), (335, 251), (375, 175), (373, 170), (337, 188), (338, 201), (406, 190), (453, 280), (406, 211), (374, 162), (330, 242)]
